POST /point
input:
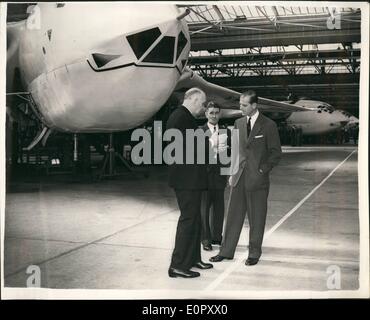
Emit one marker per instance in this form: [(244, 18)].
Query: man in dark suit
[(188, 181), (259, 152), (214, 206)]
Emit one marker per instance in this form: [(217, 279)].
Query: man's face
[(246, 107), (213, 115)]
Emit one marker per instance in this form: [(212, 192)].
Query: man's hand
[(221, 148), (214, 140), (222, 143)]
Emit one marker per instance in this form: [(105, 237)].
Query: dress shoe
[(218, 243), (203, 265), (218, 258), (251, 261), (174, 273), (207, 247)]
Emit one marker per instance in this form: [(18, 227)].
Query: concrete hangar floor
[(119, 234)]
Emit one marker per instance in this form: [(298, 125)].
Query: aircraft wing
[(269, 105), (227, 98)]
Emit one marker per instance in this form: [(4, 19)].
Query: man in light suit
[(259, 152)]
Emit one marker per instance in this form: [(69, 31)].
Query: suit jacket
[(214, 179), (261, 150), (186, 176)]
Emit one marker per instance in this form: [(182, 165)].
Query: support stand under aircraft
[(109, 167)]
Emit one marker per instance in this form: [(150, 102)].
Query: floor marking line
[(45, 240), (84, 245), (236, 263)]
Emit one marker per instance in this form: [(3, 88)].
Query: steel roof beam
[(272, 20), (275, 66), (294, 30), (218, 12), (277, 56), (307, 79)]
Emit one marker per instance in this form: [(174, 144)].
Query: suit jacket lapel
[(255, 129), (205, 127)]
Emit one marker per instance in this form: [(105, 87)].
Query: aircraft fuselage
[(99, 68), (322, 119)]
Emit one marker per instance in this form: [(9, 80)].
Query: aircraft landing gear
[(295, 136), (109, 163)]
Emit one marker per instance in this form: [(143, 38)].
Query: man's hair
[(252, 94), (211, 104), (192, 92)]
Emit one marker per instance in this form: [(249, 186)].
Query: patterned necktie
[(249, 126)]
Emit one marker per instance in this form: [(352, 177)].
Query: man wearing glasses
[(259, 152)]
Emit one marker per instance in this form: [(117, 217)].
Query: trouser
[(213, 216), (240, 202), (187, 244)]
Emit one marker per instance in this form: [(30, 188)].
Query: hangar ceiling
[(224, 27), (310, 52)]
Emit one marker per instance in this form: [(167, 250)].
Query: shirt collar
[(211, 126), (254, 117)]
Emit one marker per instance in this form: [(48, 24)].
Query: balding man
[(188, 182)]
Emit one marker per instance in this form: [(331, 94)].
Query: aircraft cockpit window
[(181, 43), (141, 41), (163, 52), (183, 63)]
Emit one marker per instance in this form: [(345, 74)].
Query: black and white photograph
[(184, 150)]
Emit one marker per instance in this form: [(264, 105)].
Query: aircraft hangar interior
[(83, 95)]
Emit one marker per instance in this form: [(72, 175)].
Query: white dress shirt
[(213, 140), (253, 119), (211, 127)]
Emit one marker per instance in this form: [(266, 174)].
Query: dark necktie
[(249, 127), (214, 130)]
